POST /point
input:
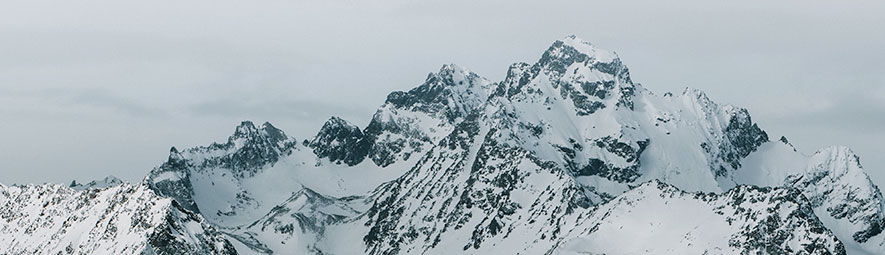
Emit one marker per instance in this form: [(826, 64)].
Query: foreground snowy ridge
[(566, 155), (121, 219)]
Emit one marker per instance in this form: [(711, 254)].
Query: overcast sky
[(96, 88)]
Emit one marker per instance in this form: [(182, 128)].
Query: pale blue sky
[(92, 88)]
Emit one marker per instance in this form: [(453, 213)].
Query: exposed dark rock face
[(340, 142), (598, 167), (742, 137), (172, 179)]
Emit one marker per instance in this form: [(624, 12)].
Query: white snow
[(652, 220), (53, 219), (771, 164), (587, 48), (167, 176)]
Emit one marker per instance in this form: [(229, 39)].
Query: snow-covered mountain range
[(566, 155)]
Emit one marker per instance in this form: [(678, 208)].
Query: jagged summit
[(248, 131), (340, 142), (245, 128), (247, 150), (106, 182), (588, 78), (562, 54), (412, 122), (450, 93), (586, 48)]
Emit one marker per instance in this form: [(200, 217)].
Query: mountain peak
[(451, 68), (245, 127), (335, 121), (249, 132), (452, 91), (340, 141), (575, 58), (450, 75), (588, 77), (272, 132), (583, 47), (841, 155)]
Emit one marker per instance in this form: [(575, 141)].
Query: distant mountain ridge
[(566, 155)]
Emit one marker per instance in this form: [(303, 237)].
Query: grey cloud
[(298, 109), (91, 98), (857, 112), (104, 99)]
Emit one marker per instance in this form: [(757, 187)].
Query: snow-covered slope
[(122, 219), (844, 197), (656, 218), (297, 226), (834, 181)]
